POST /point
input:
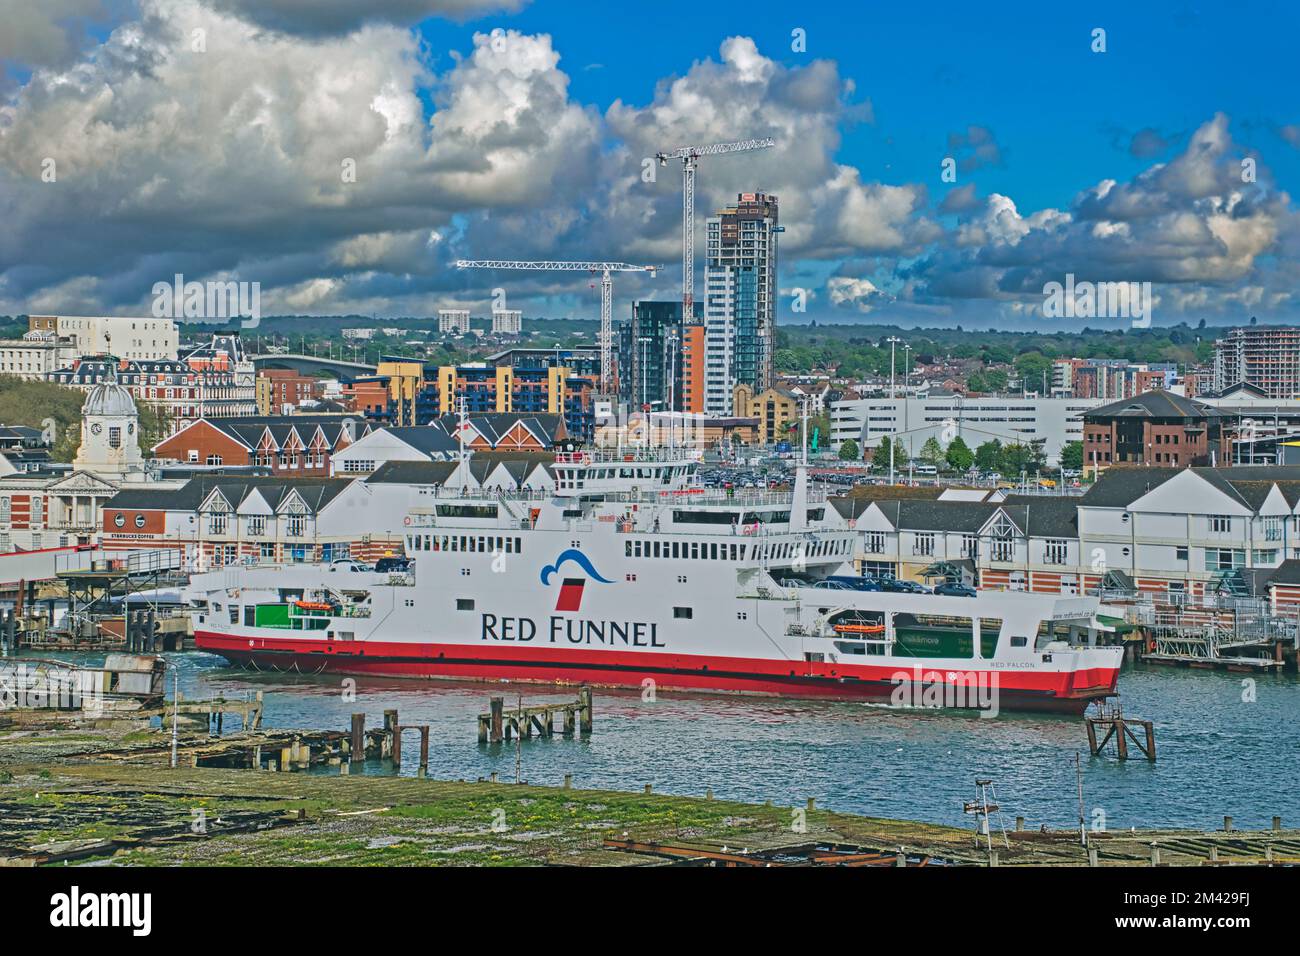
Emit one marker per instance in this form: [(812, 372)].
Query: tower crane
[(690, 157), (606, 297)]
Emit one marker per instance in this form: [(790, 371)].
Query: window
[(1054, 551), (464, 604), (875, 542), (970, 545), (213, 460), (923, 543), (684, 613), (1220, 524), (217, 523), (1272, 529), (115, 437), (257, 525), (1224, 559), (297, 526), (1180, 553)]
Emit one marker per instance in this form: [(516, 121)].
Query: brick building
[(281, 387), (291, 444), (1157, 428)]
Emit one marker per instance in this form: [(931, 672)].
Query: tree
[(1072, 455), (959, 456), (1017, 458), (880, 457), (849, 450), (989, 455), (932, 452)]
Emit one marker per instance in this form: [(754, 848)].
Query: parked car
[(347, 564), (855, 583), (391, 565), (954, 590), (895, 586), (829, 585)]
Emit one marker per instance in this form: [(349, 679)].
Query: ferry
[(631, 574)]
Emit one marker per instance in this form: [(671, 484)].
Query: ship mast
[(799, 502)]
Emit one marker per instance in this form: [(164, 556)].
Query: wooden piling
[(424, 750), (357, 749), (1277, 823), (498, 707), (568, 781), (390, 734), (584, 702), (1227, 824)]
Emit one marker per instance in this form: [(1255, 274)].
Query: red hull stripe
[(1028, 690)]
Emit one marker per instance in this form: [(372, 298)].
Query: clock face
[(96, 428), (130, 428)]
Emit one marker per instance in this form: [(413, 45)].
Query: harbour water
[(1227, 745)]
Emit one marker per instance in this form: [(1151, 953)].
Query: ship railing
[(353, 610), (632, 455)]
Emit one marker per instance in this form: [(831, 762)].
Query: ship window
[(676, 553), (627, 549), (683, 613), (695, 551), (510, 545), (713, 552), (518, 546), (464, 604), (1019, 641)]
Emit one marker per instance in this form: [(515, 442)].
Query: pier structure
[(1110, 720), (499, 724)]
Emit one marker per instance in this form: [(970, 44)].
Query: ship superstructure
[(630, 572)]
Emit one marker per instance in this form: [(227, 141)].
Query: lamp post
[(893, 341)]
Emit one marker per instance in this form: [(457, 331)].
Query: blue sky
[(1064, 115), (1115, 166)]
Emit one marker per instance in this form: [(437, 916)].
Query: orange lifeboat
[(859, 629), (313, 605)]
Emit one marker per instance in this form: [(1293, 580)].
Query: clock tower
[(110, 429)]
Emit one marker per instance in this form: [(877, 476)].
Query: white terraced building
[(1171, 533)]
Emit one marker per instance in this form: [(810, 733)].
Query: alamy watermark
[(213, 299), (53, 689), (946, 690), (1098, 300)]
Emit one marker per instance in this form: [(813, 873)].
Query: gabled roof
[(250, 430), (412, 473), (546, 427), (1155, 404), (1043, 516), (1120, 486), (316, 493), (428, 439)]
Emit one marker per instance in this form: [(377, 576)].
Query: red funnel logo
[(570, 598), (571, 588)]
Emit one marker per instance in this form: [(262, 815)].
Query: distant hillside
[(31, 403)]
